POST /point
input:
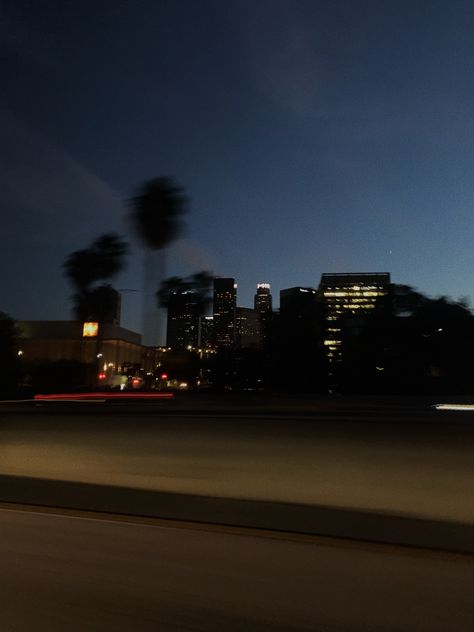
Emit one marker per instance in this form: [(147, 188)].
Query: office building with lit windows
[(247, 328), (349, 298), (206, 332), (225, 302)]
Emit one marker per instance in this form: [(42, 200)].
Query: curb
[(276, 516)]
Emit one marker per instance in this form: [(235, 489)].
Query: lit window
[(90, 330)]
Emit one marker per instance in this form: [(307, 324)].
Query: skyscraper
[(349, 298), (298, 307), (301, 355), (225, 301), (206, 333), (183, 320), (263, 304), (247, 328)]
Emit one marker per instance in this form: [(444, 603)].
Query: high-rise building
[(206, 332), (225, 301), (263, 304), (298, 307), (247, 327), (183, 320), (301, 356), (349, 298)]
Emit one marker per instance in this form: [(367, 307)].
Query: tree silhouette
[(85, 268), (411, 344), (169, 287), (80, 268), (199, 284), (156, 213), (10, 365)]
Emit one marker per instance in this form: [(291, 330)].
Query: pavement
[(402, 460), (95, 573)]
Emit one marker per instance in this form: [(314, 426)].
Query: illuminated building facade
[(263, 304), (247, 327), (206, 332), (113, 349), (183, 320), (348, 299), (225, 302)]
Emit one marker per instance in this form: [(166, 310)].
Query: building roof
[(72, 330), (349, 278)]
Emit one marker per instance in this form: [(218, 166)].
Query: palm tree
[(85, 268), (80, 269), (199, 284), (110, 250), (170, 286), (156, 211)]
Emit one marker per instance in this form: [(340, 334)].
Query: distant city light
[(265, 286), (164, 376), (102, 376), (20, 352)]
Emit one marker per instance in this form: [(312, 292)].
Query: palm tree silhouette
[(156, 212), (199, 284), (85, 268)]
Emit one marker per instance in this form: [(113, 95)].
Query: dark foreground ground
[(246, 481), (79, 573), (398, 457)]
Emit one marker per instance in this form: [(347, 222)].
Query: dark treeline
[(410, 344), (10, 361)]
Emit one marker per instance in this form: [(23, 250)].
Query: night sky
[(311, 137)]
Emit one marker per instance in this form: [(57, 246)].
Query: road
[(77, 573), (407, 461)]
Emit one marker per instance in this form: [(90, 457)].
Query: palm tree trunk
[(154, 318)]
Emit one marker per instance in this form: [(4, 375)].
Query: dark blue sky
[(311, 136)]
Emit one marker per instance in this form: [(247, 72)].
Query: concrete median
[(279, 516)]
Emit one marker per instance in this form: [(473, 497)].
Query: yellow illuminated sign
[(90, 330)]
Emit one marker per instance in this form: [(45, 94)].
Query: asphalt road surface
[(77, 573), (404, 460)]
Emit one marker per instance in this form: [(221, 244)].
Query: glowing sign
[(90, 330)]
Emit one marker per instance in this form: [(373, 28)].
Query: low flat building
[(111, 347)]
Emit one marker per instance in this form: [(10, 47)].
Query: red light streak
[(106, 395)]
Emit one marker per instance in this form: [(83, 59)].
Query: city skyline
[(309, 138)]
